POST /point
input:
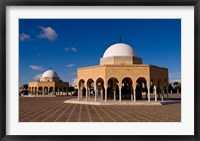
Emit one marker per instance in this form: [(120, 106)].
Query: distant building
[(121, 75), (49, 84)]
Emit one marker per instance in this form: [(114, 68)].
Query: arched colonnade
[(45, 90), (121, 88)]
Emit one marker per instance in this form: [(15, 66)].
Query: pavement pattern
[(53, 109)]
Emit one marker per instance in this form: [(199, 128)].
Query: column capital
[(120, 83), (134, 86), (148, 85)]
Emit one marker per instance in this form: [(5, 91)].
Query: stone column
[(36, 91), (101, 91), (95, 94), (89, 93), (134, 94), (51, 91), (42, 91), (105, 93), (115, 94), (47, 91), (78, 94), (86, 94), (149, 98), (54, 91), (81, 92), (162, 93), (32, 92), (120, 93), (155, 92), (132, 91), (167, 94)]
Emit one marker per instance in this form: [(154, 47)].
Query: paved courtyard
[(53, 109)]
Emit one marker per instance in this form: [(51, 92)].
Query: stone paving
[(53, 109)]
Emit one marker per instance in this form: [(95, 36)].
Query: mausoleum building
[(49, 84), (121, 75)]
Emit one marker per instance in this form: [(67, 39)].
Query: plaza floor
[(53, 109)]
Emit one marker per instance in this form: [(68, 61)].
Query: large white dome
[(50, 74), (119, 49)]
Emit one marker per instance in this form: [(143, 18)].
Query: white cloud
[(67, 49), (73, 49), (24, 37), (38, 68), (70, 65), (37, 77), (74, 82), (177, 80), (47, 33), (71, 74)]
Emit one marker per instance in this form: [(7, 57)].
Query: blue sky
[(67, 44)]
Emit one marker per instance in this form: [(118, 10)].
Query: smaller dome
[(50, 74), (119, 49)]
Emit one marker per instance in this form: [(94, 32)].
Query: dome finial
[(120, 39)]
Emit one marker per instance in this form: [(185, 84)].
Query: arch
[(60, 91), (159, 85), (51, 90), (82, 89), (32, 90), (46, 90), (56, 90), (114, 78), (100, 87), (90, 86), (113, 88), (141, 87), (81, 83), (152, 84), (127, 88), (90, 82), (65, 90), (40, 90), (35, 91), (165, 86), (99, 82)]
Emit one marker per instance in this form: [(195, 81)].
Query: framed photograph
[(99, 70)]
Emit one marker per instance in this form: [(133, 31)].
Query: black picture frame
[(5, 3)]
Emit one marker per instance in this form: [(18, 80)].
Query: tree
[(177, 86), (170, 89), (25, 86)]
